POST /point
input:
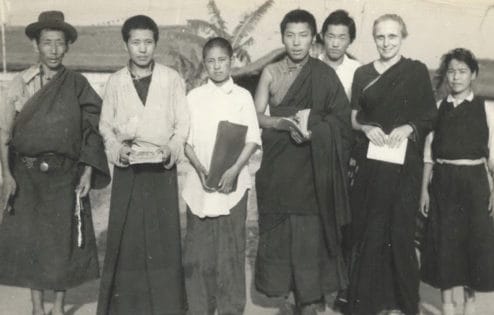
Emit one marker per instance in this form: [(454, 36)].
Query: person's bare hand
[(123, 155), (491, 203), (375, 134), (398, 135), (228, 179), (203, 175), (8, 189), (84, 185), (166, 154), (425, 202), (296, 136)]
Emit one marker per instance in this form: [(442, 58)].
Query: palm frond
[(215, 15), (486, 13), (242, 55), (248, 22), (256, 67), (198, 26), (246, 43)]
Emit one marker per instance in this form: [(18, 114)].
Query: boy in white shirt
[(214, 258)]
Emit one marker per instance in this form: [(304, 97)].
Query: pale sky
[(435, 26)]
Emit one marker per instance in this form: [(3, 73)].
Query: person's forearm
[(247, 151), (355, 124), (267, 122), (4, 154), (88, 170), (191, 155), (427, 173)]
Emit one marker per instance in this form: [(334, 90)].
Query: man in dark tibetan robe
[(50, 153), (301, 185)]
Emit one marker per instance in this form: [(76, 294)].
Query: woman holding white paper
[(392, 102)]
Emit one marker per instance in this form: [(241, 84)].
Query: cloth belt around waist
[(45, 162), (462, 162)]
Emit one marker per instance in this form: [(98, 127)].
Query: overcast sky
[(434, 25)]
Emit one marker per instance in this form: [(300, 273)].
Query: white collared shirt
[(345, 72), (489, 115), (209, 104), (22, 87)]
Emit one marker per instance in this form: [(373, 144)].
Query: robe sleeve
[(425, 110), (107, 124), (92, 149), (181, 124), (331, 139)]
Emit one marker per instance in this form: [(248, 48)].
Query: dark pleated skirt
[(143, 271), (384, 270), (38, 247), (459, 246)]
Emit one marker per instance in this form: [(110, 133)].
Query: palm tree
[(240, 38)]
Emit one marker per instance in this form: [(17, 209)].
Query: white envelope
[(388, 154)]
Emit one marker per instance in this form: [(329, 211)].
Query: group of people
[(319, 231)]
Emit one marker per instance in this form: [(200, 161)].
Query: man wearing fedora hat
[(51, 155)]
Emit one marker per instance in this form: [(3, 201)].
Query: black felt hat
[(54, 20)]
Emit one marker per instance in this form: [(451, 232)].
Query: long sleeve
[(181, 124), (425, 109), (107, 124), (92, 149)]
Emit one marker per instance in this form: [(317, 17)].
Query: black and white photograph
[(263, 157)]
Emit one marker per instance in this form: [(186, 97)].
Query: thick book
[(299, 123), (140, 155), (229, 143)]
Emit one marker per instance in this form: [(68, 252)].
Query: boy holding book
[(214, 259)]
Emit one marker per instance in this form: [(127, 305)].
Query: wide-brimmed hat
[(54, 20)]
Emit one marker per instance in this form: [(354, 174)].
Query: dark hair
[(460, 54), (37, 35), (391, 17), (219, 42), (340, 17), (299, 16), (139, 22)]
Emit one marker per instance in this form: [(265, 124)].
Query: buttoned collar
[(226, 88), (457, 102)]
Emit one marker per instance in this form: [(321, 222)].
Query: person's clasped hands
[(377, 136)]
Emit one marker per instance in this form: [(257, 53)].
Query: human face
[(218, 65), (51, 48), (459, 77), (140, 46), (336, 41), (297, 39), (388, 38)]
